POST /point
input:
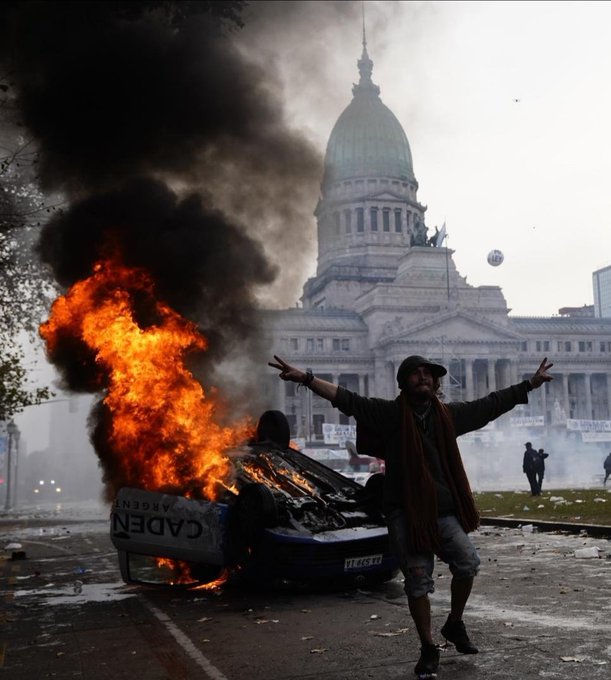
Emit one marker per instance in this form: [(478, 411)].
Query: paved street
[(537, 612)]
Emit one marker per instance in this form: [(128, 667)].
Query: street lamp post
[(12, 431), (16, 436)]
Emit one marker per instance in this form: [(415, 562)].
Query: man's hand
[(541, 375), (287, 372), (322, 388)]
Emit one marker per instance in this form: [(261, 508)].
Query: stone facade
[(385, 289)]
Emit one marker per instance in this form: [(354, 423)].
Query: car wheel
[(255, 509), (205, 573), (374, 490)]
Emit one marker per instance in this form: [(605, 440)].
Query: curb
[(598, 530)]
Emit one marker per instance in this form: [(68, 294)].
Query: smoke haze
[(170, 137)]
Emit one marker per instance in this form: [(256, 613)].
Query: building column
[(565, 394), (513, 367), (281, 392), (335, 416), (587, 379), (379, 386), (361, 384), (543, 392), (491, 376), (469, 379)]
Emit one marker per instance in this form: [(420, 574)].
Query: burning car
[(286, 518)]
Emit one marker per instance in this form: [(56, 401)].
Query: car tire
[(205, 573), (374, 490), (254, 510)]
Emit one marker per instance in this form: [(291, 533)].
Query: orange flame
[(163, 430)]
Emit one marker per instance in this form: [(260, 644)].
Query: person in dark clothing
[(273, 427), (427, 501), (540, 469), (529, 467), (607, 466)]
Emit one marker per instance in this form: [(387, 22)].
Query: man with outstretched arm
[(428, 504)]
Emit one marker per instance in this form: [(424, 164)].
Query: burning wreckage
[(287, 518), (188, 494), (144, 268)]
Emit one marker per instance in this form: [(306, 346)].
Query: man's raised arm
[(322, 388)]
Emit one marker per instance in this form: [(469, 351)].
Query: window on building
[(585, 346), (310, 345), (543, 345), (289, 388), (292, 418), (568, 346), (386, 219), (317, 422), (336, 344), (337, 222), (345, 344), (524, 346), (603, 346), (559, 346), (360, 219), (348, 221), (374, 219), (398, 221), (320, 345), (294, 344)]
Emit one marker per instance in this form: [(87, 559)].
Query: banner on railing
[(590, 437), (588, 425), (527, 421), (338, 434)]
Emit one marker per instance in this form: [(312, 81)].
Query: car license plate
[(351, 563)]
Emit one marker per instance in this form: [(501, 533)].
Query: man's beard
[(416, 395)]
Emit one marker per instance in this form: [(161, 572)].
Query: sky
[(506, 106)]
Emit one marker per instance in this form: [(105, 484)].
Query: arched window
[(374, 219), (337, 224), (360, 220), (348, 221), (398, 221), (386, 219)]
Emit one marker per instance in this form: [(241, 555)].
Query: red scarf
[(419, 485)]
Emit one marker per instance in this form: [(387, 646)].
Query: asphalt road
[(537, 611)]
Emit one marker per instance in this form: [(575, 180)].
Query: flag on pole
[(441, 236)]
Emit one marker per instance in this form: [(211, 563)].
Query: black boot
[(428, 663), (455, 632)]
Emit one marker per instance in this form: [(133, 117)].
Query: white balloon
[(495, 258)]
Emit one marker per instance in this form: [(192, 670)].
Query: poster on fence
[(527, 421), (338, 434)]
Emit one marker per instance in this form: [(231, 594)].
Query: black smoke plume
[(153, 125)]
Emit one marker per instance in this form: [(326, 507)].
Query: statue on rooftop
[(419, 233)]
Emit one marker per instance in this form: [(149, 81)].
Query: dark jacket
[(382, 417), (531, 461)]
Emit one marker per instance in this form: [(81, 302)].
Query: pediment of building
[(385, 195), (455, 325)]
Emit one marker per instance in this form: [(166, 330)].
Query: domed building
[(369, 210), (385, 288)]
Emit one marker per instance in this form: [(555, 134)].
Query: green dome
[(367, 139)]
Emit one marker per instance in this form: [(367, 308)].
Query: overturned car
[(289, 519)]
